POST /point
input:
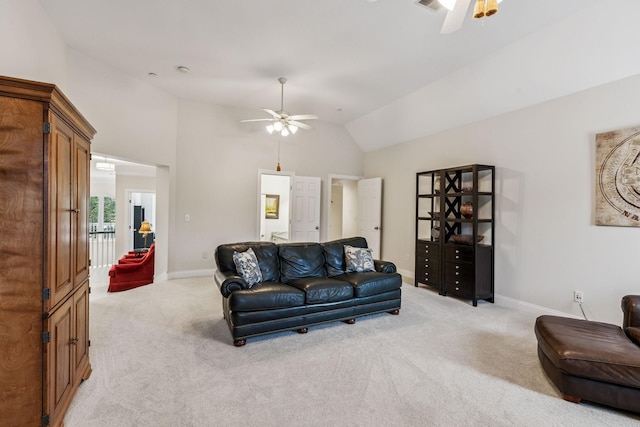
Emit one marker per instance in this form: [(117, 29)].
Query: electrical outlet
[(205, 254), (578, 296)]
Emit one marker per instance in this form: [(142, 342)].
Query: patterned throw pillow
[(247, 265), (358, 260)]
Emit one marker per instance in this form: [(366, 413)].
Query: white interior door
[(370, 212), (305, 221)]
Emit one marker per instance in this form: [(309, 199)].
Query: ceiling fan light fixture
[(270, 129), (277, 126), (284, 132), (293, 129), (478, 10), (485, 8), (491, 7), (448, 4)]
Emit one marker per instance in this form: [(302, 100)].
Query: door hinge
[(46, 293), (46, 337), (89, 289), (45, 420), (46, 127), (89, 343)]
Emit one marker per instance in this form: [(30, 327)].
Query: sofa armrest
[(229, 282), (384, 266), (631, 310)]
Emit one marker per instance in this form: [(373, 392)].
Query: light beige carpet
[(162, 356)]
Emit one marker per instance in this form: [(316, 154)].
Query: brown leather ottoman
[(589, 360)]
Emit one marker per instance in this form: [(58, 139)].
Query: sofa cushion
[(266, 296), (334, 253), (247, 265), (266, 253), (319, 290), (371, 283), (358, 260), (300, 260)]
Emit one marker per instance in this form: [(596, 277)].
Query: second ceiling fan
[(457, 11), (281, 121)]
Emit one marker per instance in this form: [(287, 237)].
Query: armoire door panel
[(59, 357), (80, 340), (81, 196), (61, 212)]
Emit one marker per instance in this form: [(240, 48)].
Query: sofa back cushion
[(266, 253), (300, 260), (334, 254)]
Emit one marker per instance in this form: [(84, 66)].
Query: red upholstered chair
[(130, 273)]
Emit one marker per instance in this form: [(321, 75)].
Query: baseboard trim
[(530, 308), (408, 277), (190, 273)]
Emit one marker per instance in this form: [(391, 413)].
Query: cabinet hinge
[(89, 343), (46, 127), (46, 293), (46, 337), (45, 420)]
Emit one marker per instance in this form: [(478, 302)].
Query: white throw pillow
[(358, 260), (247, 265)]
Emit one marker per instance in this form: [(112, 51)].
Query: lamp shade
[(145, 228)]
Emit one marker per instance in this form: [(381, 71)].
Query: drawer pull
[(457, 267), (457, 288), (457, 273), (457, 256), (457, 251), (457, 282)]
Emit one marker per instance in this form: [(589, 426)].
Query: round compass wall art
[(618, 178)]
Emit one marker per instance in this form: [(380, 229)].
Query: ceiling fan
[(457, 11), (282, 122)]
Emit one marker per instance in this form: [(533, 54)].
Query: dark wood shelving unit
[(453, 267)]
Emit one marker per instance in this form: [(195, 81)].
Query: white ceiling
[(343, 58)]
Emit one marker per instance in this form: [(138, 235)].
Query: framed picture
[(272, 206), (618, 178)]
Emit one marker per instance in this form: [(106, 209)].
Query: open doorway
[(274, 206), (355, 209), (142, 207)]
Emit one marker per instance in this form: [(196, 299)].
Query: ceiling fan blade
[(304, 117), (300, 125), (454, 19), (273, 113), (256, 120)]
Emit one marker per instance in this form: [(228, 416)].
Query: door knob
[(376, 228), (317, 228)]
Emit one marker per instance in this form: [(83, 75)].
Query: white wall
[(31, 47), (217, 170), (546, 242), (597, 45)]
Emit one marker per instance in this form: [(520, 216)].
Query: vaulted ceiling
[(343, 58)]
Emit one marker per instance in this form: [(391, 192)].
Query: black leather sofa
[(304, 284)]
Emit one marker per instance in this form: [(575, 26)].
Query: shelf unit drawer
[(429, 250), (458, 253), (459, 279), (428, 272)]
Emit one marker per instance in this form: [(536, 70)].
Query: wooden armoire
[(44, 252)]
